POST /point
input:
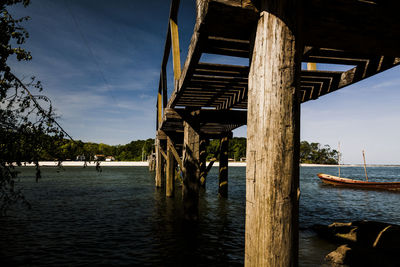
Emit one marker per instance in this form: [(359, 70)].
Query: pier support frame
[(159, 163), (223, 167), (191, 166), (272, 174), (170, 175), (203, 164)]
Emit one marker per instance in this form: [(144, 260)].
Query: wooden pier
[(210, 100)]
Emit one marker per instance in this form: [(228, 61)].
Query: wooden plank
[(373, 67), (231, 15), (359, 26), (224, 67), (208, 69), (240, 18), (210, 116), (227, 47), (329, 60)]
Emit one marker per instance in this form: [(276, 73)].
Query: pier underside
[(210, 99)]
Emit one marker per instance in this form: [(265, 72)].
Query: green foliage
[(236, 148), (69, 150), (26, 129), (309, 152), (315, 153)]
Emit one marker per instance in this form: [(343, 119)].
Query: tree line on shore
[(139, 150)]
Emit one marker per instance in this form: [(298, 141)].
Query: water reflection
[(118, 217)]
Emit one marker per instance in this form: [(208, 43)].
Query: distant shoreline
[(144, 163)]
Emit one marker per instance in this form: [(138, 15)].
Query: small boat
[(346, 182)]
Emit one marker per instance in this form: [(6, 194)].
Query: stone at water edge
[(338, 256)]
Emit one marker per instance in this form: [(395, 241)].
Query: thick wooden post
[(191, 167), (273, 123), (159, 163), (203, 166), (223, 167), (170, 181)]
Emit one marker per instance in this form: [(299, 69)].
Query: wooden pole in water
[(339, 157), (203, 166), (223, 167), (159, 163), (191, 167), (273, 138), (170, 181), (365, 166)]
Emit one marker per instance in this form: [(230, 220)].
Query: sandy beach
[(92, 163), (144, 163), (113, 163)]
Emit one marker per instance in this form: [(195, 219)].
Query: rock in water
[(365, 243), (338, 256)]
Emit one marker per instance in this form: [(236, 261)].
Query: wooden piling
[(272, 174), (159, 163), (191, 167), (170, 181), (203, 166), (223, 167)]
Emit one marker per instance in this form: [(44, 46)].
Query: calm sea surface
[(117, 217)]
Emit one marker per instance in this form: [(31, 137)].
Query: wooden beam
[(159, 164), (163, 153), (159, 108), (175, 49), (273, 137), (163, 79), (209, 166), (311, 66), (368, 27), (203, 166), (193, 57), (209, 116), (175, 153), (173, 14), (191, 168), (372, 67), (169, 181), (223, 167)]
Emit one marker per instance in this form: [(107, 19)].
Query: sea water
[(118, 217)]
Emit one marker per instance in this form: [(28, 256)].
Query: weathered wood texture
[(170, 181), (151, 160), (223, 167), (212, 122), (191, 168), (271, 237), (367, 26), (224, 27), (159, 164), (203, 166), (175, 153), (175, 49)]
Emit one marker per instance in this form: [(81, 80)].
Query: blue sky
[(99, 62)]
